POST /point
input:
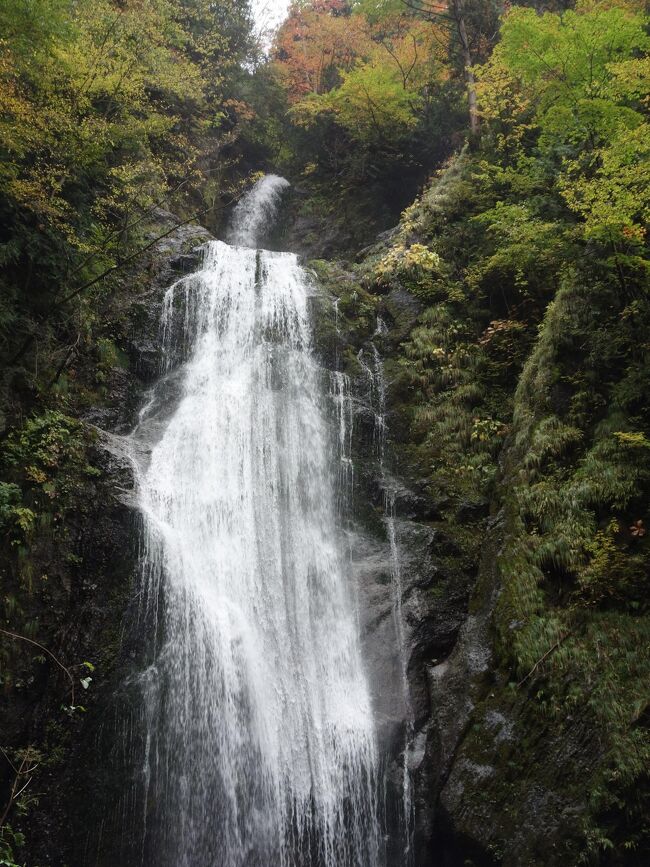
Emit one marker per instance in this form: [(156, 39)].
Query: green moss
[(524, 382), (575, 565)]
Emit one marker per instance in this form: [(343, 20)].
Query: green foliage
[(372, 104), (48, 480), (525, 378), (10, 496), (460, 359), (460, 434), (106, 111), (49, 449), (574, 86), (416, 265), (528, 370), (576, 562), (10, 842), (48, 472), (109, 109), (526, 249), (47, 456)]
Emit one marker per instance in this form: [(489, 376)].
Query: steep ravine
[(114, 732), (433, 599), (494, 778), (448, 650)]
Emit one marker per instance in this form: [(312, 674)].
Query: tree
[(106, 110), (317, 41), (576, 85), (470, 25)]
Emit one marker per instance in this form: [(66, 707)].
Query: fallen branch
[(23, 770), (18, 637), (542, 658)]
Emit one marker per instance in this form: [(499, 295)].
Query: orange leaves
[(314, 43)]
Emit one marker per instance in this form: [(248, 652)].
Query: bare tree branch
[(18, 637)]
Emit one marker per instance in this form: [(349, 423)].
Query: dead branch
[(542, 658), (18, 637)]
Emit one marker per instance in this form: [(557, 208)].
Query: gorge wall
[(516, 496), (483, 381)]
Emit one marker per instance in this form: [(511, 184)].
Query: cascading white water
[(256, 210), (260, 742), (377, 399)]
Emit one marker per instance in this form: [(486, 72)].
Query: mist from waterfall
[(260, 746)]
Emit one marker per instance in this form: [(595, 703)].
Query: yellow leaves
[(409, 47), (576, 84), (632, 439), (499, 328), (633, 6), (306, 113), (241, 110), (372, 103), (410, 217), (25, 519), (416, 260), (368, 75), (136, 180), (630, 79), (17, 116), (102, 107), (502, 99), (486, 429), (35, 474), (39, 193), (419, 256), (312, 46), (122, 53), (550, 64), (615, 199)]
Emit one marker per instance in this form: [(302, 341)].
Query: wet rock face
[(307, 228), (90, 615), (444, 647), (514, 789), (176, 254)]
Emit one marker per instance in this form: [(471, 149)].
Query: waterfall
[(260, 746), (374, 375), (256, 210)]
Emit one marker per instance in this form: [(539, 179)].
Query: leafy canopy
[(576, 85)]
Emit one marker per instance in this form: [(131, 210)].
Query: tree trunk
[(456, 9)]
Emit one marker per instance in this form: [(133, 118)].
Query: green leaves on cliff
[(105, 109), (528, 373), (46, 465), (574, 87)]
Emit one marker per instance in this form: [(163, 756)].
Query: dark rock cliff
[(84, 575)]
